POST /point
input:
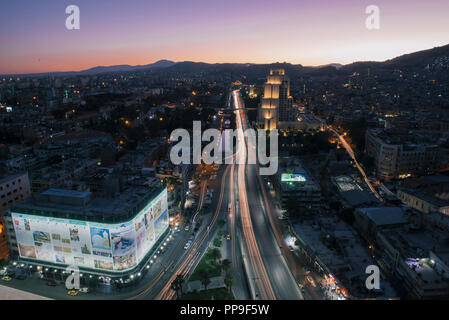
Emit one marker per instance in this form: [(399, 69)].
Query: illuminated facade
[(276, 104), (104, 236)]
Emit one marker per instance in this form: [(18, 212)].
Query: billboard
[(113, 247), (293, 177)]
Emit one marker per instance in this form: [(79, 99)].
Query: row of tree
[(225, 265)]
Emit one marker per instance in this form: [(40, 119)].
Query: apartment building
[(398, 153), (13, 189)]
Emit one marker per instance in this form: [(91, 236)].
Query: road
[(185, 263), (351, 153), (272, 276)]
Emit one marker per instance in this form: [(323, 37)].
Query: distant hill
[(124, 68), (438, 57), (104, 69), (412, 61)]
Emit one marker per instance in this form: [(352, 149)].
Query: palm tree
[(215, 254), (176, 285), (225, 265), (204, 278), (229, 281)]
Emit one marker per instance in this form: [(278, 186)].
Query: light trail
[(194, 254), (262, 279), (359, 167)]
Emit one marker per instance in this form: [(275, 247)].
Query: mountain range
[(417, 60)]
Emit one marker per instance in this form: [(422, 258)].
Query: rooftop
[(355, 198), (77, 205), (426, 197), (384, 215)]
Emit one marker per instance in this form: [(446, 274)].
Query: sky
[(34, 38)]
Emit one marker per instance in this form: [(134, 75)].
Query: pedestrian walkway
[(7, 293)]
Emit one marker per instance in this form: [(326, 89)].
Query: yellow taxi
[(228, 237), (73, 292), (6, 278)]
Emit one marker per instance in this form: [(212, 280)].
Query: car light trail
[(262, 280)]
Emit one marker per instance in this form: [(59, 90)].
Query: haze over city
[(141, 32)]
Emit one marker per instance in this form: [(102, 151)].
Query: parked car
[(10, 272), (51, 283), (21, 277), (187, 228), (84, 290)]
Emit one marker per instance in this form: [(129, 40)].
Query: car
[(228, 237), (6, 278), (84, 290), (187, 228), (306, 270), (291, 248), (50, 283), (73, 292), (10, 273), (310, 280), (21, 277), (3, 272)]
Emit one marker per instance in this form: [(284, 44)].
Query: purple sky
[(33, 36)]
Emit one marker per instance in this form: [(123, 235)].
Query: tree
[(221, 223), (225, 265), (229, 281), (176, 285), (204, 278), (215, 254)]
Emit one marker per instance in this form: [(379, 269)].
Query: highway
[(272, 276), (256, 242)]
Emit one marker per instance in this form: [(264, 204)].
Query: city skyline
[(246, 151), (138, 33)]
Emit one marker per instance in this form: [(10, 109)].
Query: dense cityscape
[(94, 207)]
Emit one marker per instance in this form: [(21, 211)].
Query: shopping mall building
[(110, 237)]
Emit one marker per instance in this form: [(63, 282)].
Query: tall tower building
[(276, 104)]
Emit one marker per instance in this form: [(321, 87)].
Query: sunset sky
[(34, 39)]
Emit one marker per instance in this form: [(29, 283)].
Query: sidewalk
[(8, 293)]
